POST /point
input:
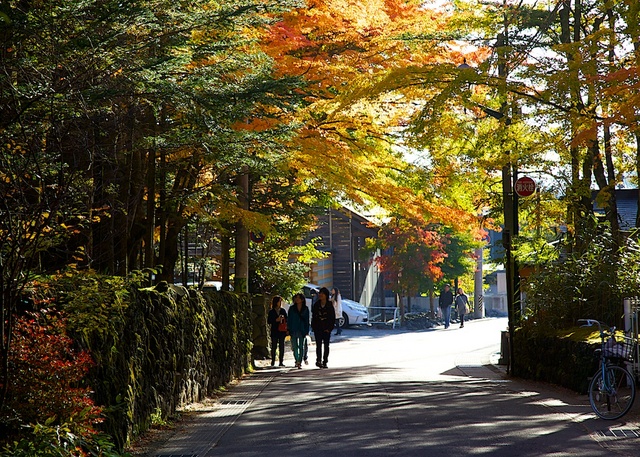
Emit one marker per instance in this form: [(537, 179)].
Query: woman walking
[(462, 305), (323, 319), (298, 327), (336, 300), (277, 316)]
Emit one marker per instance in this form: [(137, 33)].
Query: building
[(627, 203), (342, 233)]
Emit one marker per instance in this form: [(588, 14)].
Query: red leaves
[(46, 374), (413, 254)]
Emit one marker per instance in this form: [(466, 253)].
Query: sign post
[(525, 187)]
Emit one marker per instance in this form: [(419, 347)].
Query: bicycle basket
[(622, 349)]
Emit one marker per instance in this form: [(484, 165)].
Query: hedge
[(566, 359), (159, 348)]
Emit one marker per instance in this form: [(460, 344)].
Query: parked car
[(353, 313), (206, 286), (214, 285)]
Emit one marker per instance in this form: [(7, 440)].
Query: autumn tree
[(143, 99), (568, 71), (343, 48), (564, 74), (416, 255)]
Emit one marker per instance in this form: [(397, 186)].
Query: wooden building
[(343, 233), (627, 202)]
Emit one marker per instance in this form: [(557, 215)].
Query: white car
[(353, 313)]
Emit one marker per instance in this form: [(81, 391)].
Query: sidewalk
[(205, 426)]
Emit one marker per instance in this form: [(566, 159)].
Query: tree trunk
[(226, 261), (149, 256), (241, 282)]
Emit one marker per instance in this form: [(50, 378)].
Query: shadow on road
[(350, 411)]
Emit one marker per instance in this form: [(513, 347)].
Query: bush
[(46, 387), (154, 348), (560, 293), (60, 441), (565, 358)]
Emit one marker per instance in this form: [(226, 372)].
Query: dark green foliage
[(588, 283), (61, 441), (113, 112), (584, 285), (556, 358), (155, 348)]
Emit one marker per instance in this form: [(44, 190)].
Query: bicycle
[(612, 389)]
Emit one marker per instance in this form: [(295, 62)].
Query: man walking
[(445, 302)]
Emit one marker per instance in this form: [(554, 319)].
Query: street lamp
[(510, 214)]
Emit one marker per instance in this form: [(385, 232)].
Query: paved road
[(388, 393)]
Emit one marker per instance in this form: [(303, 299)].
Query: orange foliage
[(343, 48), (334, 41)]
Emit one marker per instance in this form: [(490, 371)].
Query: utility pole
[(509, 196), (510, 202), (478, 298)]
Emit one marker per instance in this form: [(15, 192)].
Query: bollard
[(504, 348)]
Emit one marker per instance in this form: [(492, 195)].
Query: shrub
[(61, 441), (563, 357), (560, 293), (45, 387), (154, 348)]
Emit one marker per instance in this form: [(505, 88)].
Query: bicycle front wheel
[(611, 396)]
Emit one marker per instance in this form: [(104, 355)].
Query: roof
[(627, 201)]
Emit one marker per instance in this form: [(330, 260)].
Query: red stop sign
[(525, 186)]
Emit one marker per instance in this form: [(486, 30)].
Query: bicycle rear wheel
[(611, 397)]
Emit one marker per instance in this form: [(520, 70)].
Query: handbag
[(282, 326)]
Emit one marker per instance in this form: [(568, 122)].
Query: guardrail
[(384, 315)]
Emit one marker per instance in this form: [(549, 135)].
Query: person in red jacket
[(323, 320)]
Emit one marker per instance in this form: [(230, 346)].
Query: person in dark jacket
[(298, 327), (462, 305), (445, 302), (276, 316), (323, 319)]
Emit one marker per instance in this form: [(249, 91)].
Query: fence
[(384, 315), (632, 327)]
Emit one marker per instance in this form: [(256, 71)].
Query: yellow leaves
[(345, 49), (254, 222), (331, 42), (362, 16), (257, 124)]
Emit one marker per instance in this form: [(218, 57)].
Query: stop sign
[(525, 186)]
